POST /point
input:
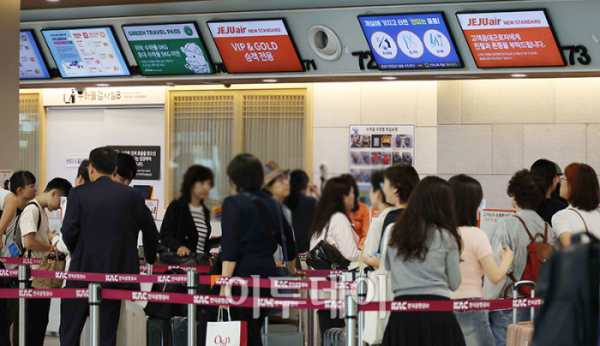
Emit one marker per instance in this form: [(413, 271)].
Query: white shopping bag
[(232, 333)]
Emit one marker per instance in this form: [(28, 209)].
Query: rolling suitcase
[(521, 333), (178, 328), (334, 337), (158, 332), (281, 334)]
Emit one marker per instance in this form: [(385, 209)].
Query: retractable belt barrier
[(249, 302), (174, 279)]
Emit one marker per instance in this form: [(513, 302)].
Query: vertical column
[(9, 83)]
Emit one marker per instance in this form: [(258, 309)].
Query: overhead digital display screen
[(89, 52), (169, 49), (31, 62), (410, 41), (511, 39), (256, 46)]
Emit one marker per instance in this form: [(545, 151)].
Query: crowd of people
[(425, 236)]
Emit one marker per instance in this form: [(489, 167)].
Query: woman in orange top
[(360, 215)]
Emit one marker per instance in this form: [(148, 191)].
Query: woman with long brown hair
[(424, 257)]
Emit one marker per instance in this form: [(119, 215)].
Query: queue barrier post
[(192, 284), (351, 312), (23, 276), (362, 297), (95, 297)]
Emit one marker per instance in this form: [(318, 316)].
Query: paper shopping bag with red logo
[(231, 333)]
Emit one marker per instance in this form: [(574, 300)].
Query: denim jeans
[(501, 319), (475, 327)]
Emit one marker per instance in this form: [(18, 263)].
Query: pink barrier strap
[(21, 260), (9, 273), (454, 305), (161, 268), (45, 293), (180, 298), (323, 273), (174, 279)]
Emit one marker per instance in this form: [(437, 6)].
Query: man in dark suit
[(101, 229)]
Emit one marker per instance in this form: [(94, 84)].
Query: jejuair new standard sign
[(168, 49)]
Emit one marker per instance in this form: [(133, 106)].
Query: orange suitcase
[(520, 334)]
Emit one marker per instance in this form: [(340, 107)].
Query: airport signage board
[(511, 39), (31, 62), (410, 41), (168, 49), (87, 52), (256, 46)]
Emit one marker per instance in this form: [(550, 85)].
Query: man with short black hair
[(101, 229), (547, 170), (126, 169), (36, 240)]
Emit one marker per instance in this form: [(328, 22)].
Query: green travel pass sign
[(168, 49)]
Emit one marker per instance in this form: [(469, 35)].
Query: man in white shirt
[(36, 237)]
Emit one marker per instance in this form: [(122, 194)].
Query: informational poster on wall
[(511, 39), (256, 46), (5, 175), (168, 49), (147, 159), (376, 147), (489, 217)]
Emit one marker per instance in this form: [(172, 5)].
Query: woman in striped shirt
[(186, 226)]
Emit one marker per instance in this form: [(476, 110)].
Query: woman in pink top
[(477, 259)]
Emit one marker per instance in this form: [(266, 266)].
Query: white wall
[(338, 105), (492, 128), (78, 131)]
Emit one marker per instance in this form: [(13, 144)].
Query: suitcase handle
[(516, 287)]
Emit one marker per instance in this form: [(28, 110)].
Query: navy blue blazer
[(101, 228), (246, 239)]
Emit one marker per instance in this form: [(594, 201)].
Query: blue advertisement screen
[(89, 52), (410, 41), (31, 63)]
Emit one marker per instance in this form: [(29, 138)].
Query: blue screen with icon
[(410, 41)]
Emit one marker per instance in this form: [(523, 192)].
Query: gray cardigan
[(439, 271)]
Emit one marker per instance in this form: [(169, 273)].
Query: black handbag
[(193, 259), (325, 256)]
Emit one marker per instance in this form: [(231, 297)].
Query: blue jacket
[(101, 228)]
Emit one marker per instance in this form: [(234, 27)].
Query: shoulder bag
[(52, 262), (326, 256)]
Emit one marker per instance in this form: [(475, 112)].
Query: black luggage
[(179, 325), (167, 310), (334, 337), (158, 332)]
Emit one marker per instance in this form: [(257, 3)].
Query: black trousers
[(254, 325), (74, 313), (4, 323), (36, 322)]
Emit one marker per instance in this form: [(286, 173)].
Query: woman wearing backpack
[(18, 191), (526, 190), (580, 188), (424, 261), (477, 259)]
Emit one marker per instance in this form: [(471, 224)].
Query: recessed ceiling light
[(270, 80), (102, 85), (389, 78), (518, 75), (53, 0)]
